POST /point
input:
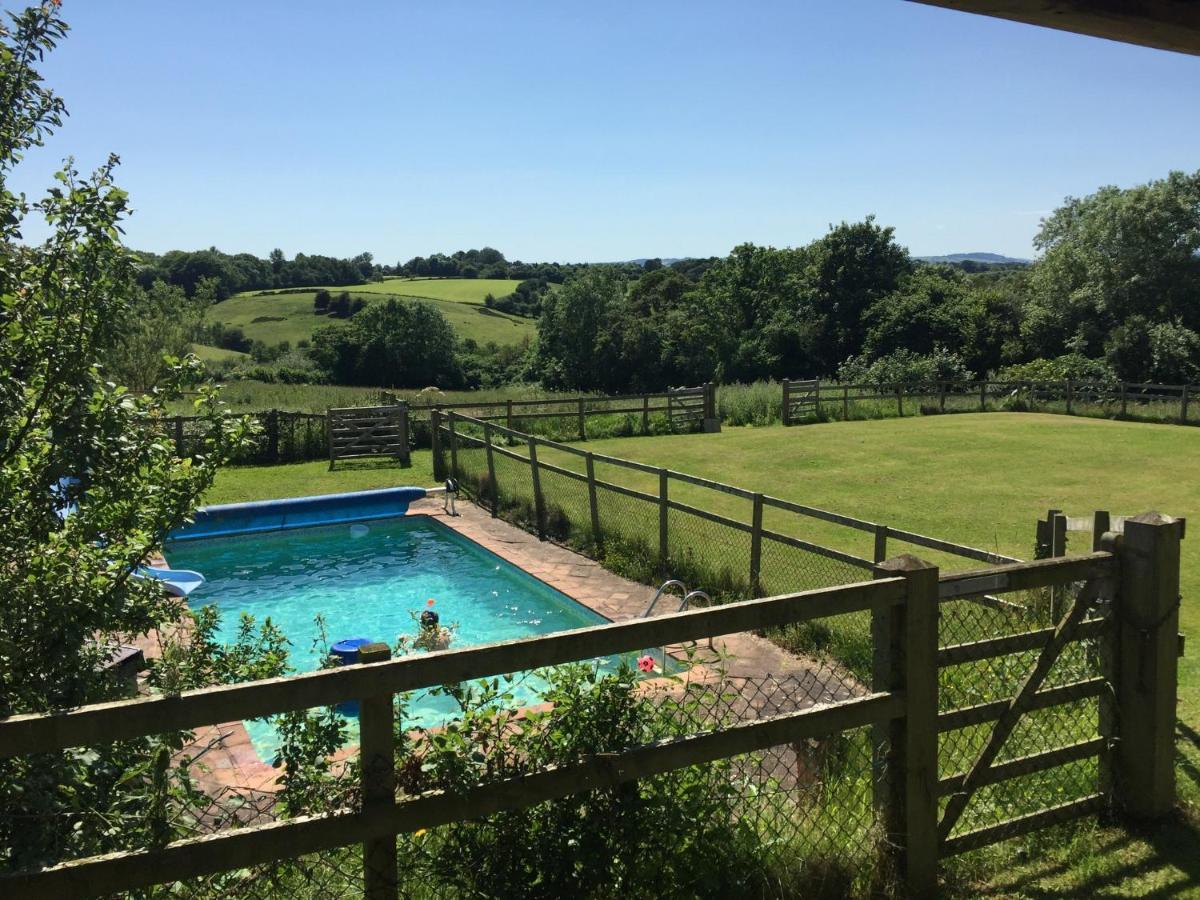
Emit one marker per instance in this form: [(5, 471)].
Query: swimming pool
[(371, 579)]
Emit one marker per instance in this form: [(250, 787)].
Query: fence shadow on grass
[(1161, 860)]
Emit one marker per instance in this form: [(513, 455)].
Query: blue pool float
[(346, 654)]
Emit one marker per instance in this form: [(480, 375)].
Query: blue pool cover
[(298, 512)]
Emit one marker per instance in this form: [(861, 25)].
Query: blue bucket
[(346, 654)]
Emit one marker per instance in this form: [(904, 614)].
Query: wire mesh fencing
[(1069, 734)]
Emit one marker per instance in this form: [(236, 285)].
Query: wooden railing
[(806, 399), (1135, 580), (376, 682), (285, 436), (454, 430), (684, 407)]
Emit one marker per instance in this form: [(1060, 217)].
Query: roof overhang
[(1162, 24)]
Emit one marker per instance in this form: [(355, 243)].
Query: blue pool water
[(370, 580)]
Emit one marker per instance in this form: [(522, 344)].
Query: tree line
[(233, 273), (1114, 295)]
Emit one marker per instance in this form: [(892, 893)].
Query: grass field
[(978, 479), (273, 318), (456, 290), (217, 354)]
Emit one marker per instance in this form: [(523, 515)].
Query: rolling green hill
[(273, 318)]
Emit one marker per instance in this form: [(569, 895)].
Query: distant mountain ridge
[(993, 258)]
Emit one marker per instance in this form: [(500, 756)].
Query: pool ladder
[(686, 599)]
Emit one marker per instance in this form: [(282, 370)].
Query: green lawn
[(978, 479), (273, 318), (242, 483)]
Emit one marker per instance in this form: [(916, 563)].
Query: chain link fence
[(794, 819)]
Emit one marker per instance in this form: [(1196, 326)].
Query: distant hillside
[(987, 258), (272, 317)]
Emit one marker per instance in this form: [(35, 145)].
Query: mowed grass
[(239, 484), (979, 479), (274, 318)]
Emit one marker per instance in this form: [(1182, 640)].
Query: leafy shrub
[(1074, 366), (904, 367), (668, 832)]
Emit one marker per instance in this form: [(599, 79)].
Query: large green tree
[(1114, 255), (89, 484), (393, 343)]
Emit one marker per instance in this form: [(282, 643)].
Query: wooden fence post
[(712, 421), (377, 757), (582, 427), (493, 489), (1124, 400), (983, 396), (272, 421), (900, 400), (435, 441), (593, 507), (1147, 622), (905, 750), (941, 396), (539, 502), (453, 447), (1183, 405), (881, 536), (1070, 395), (756, 529), (845, 403), (1057, 532), (1101, 522), (663, 509), (787, 402), (645, 414), (508, 414)]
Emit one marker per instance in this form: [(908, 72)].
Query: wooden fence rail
[(455, 432), (806, 399), (903, 705), (1137, 573), (285, 436)]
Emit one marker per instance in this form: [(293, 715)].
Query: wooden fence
[(804, 400), (369, 431), (741, 549), (285, 436), (1137, 575), (684, 408)]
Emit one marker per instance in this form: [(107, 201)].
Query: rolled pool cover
[(298, 512)]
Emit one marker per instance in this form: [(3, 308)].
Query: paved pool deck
[(229, 762)]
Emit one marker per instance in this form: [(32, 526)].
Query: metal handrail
[(662, 589)]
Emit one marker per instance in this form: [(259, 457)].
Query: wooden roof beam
[(1162, 24)]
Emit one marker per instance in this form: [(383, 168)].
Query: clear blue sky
[(601, 131)]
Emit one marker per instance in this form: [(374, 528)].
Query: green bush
[(679, 833)]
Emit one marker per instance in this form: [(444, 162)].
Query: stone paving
[(228, 759)]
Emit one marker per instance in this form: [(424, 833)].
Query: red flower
[(646, 663)]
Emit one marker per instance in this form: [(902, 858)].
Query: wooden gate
[(688, 407), (360, 431), (800, 399), (983, 771)]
